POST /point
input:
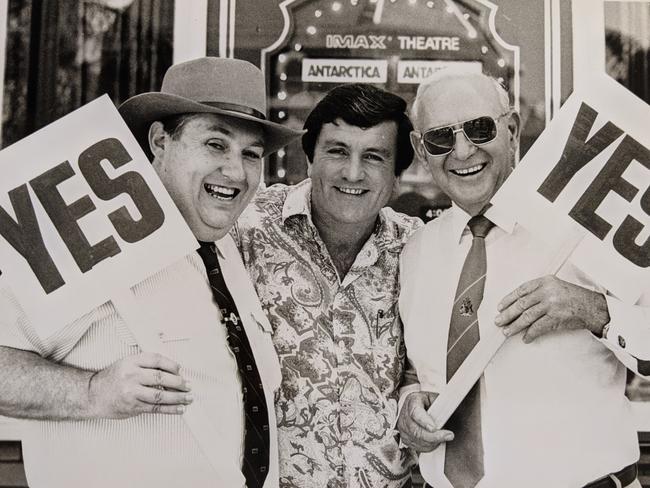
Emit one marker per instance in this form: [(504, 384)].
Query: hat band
[(234, 107)]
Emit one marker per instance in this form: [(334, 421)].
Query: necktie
[(256, 424), (464, 455)]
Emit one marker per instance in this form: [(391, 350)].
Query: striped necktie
[(256, 439), (464, 455)]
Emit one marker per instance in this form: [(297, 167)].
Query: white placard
[(589, 171), (83, 216)]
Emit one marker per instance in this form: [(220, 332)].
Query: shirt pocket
[(388, 349)]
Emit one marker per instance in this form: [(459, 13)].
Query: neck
[(343, 242), (474, 210)]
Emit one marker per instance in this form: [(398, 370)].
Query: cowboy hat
[(208, 85)]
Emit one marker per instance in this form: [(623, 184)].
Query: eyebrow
[(337, 142), (228, 132)]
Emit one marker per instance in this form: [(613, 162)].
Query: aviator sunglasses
[(440, 141)]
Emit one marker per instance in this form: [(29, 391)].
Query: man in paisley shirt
[(324, 256)]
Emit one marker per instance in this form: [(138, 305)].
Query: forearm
[(35, 388)]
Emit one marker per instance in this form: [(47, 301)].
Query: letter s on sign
[(610, 178), (131, 183)]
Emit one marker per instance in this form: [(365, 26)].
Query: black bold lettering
[(25, 236), (624, 242), (131, 183), (578, 151), (64, 217), (609, 178), (626, 235)]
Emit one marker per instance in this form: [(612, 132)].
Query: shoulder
[(399, 225), (428, 235), (265, 208)]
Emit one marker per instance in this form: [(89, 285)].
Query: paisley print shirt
[(339, 343)]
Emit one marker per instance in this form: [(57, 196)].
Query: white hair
[(451, 73)]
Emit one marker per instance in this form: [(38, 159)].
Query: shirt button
[(621, 341)]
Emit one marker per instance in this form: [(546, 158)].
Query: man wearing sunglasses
[(549, 410)]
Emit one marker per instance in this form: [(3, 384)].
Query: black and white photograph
[(325, 243)]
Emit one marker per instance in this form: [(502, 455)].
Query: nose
[(463, 147), (353, 170), (232, 167)]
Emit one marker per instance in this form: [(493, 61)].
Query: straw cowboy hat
[(208, 85)]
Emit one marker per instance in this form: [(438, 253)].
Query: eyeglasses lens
[(441, 141), (481, 130)]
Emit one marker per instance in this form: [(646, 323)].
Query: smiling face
[(470, 175), (353, 173), (211, 169)]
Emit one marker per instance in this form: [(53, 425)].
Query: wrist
[(90, 409), (601, 319)]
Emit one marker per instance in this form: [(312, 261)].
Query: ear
[(514, 127), (420, 153), (157, 139)]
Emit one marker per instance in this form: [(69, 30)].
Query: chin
[(211, 233)]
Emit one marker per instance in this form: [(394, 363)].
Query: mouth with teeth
[(469, 171), (221, 192), (351, 191)]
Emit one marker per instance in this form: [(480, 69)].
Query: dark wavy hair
[(364, 106)]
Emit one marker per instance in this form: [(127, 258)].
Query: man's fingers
[(425, 441), (423, 419), (517, 309), (157, 377), (156, 396), (157, 361), (528, 317), (165, 409), (540, 327), (519, 292)]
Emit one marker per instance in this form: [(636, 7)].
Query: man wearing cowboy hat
[(110, 415)]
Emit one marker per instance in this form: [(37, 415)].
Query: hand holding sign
[(417, 428), (550, 304)]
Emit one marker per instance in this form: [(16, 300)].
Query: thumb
[(428, 398)]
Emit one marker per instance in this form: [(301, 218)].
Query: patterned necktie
[(464, 455), (256, 437)]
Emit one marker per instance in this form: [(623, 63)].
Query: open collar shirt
[(553, 412), (338, 340)]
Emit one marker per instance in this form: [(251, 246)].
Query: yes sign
[(83, 216), (586, 183), (24, 233)]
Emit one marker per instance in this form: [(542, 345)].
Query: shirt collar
[(460, 218), (298, 201)]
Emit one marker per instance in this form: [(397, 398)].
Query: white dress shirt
[(154, 450), (553, 412)]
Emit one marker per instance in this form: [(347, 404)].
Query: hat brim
[(140, 111)]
